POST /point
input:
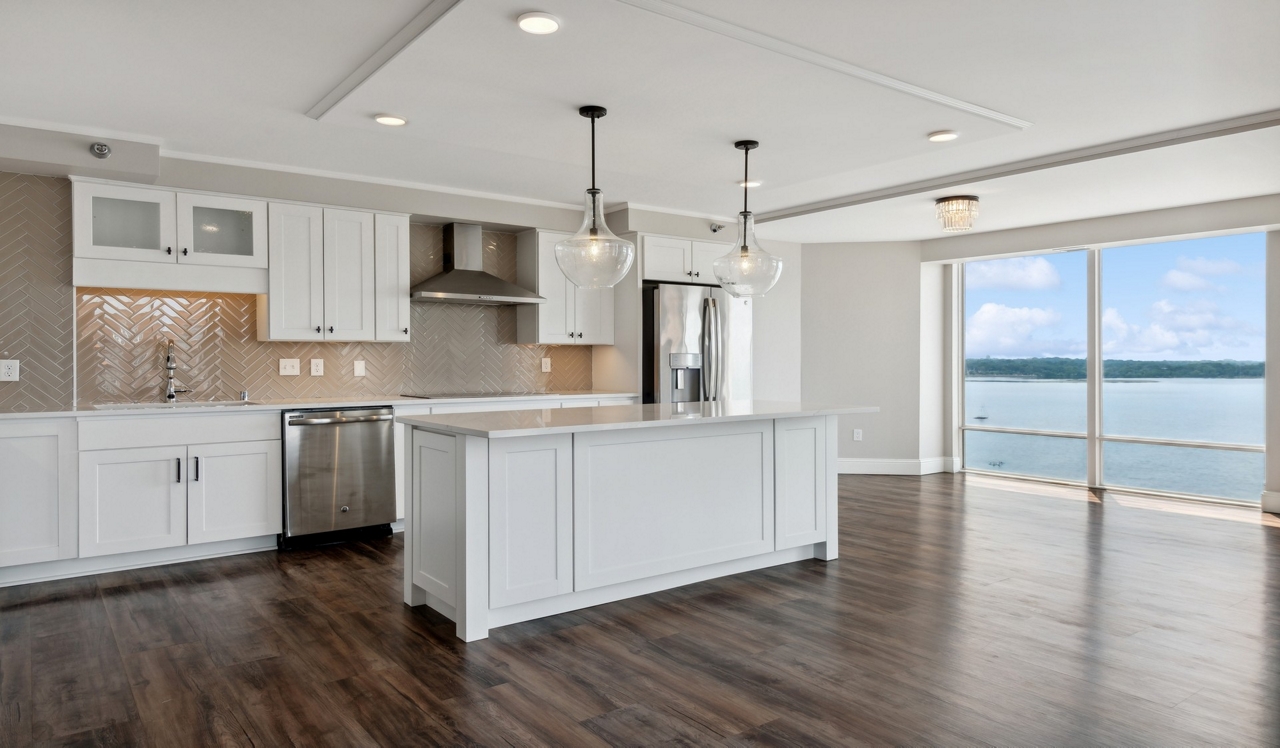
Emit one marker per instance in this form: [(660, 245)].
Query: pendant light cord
[(746, 154), (593, 153)]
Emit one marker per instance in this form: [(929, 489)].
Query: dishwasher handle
[(327, 421)]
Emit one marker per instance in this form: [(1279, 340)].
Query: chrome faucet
[(171, 365)]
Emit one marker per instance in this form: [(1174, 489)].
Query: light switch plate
[(359, 369), (317, 367), (546, 365), (290, 367), (857, 435), (9, 370)]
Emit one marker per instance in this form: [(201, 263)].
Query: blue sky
[(1199, 299)]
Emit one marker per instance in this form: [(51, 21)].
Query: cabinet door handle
[(579, 334), (185, 252), (197, 475), (406, 331), (689, 273), (330, 328), (318, 328), (179, 469), (168, 250), (698, 274)]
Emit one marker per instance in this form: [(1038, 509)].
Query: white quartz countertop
[(255, 405), (511, 423)]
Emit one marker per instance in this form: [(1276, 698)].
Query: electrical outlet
[(359, 369), (290, 367), (546, 365), (857, 435), (9, 370), (317, 367)]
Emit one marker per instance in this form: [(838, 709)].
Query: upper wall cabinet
[(680, 260), (324, 272), (571, 315), (144, 237)]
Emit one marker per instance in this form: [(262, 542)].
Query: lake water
[(1218, 410)]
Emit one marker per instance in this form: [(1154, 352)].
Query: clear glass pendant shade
[(594, 257), (747, 270)]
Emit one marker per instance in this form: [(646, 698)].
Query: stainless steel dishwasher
[(339, 474)]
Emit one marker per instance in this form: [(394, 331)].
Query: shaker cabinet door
[(556, 325), (391, 276), (295, 299), (233, 491), (132, 500), (113, 222), (349, 284), (37, 491)]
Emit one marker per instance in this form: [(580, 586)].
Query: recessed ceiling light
[(539, 23), (751, 183), (390, 120), (943, 136)]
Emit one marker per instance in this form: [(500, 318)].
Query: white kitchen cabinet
[(530, 518), (293, 308), (233, 491), (571, 315), (391, 275), (800, 475), (132, 500), (218, 230), (117, 222), (37, 491), (349, 305), (680, 260)]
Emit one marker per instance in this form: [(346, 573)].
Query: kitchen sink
[(176, 406)]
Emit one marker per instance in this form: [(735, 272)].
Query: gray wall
[(779, 329), (860, 316)]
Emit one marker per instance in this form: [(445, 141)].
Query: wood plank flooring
[(963, 611)]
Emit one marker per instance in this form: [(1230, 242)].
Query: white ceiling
[(492, 109)]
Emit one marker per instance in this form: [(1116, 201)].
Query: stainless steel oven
[(339, 471)]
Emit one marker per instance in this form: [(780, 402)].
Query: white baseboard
[(80, 567), (1271, 501), (874, 466)]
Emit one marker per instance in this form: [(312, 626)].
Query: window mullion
[(1093, 371)]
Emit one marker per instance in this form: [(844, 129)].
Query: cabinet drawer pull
[(179, 469)]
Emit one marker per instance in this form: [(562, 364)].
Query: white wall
[(860, 318), (933, 367), (778, 330)]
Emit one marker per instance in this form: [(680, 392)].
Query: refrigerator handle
[(713, 346), (720, 362), (705, 349)]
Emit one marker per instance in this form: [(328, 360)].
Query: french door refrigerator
[(697, 344)]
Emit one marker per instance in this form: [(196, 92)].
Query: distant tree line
[(1074, 368)]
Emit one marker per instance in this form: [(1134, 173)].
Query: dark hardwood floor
[(961, 612)]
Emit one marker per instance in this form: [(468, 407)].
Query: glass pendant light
[(747, 270), (594, 257)]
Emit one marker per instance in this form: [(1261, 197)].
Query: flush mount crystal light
[(957, 212), (594, 257), (943, 136), (747, 270), (539, 23), (390, 120)]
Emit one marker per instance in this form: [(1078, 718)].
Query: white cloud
[(1191, 331), (1181, 280), (999, 330), (1020, 273), (1203, 266)]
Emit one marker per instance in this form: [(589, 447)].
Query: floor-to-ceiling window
[(1179, 395), (1025, 345), (1182, 352)]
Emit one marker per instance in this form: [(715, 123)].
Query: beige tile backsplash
[(454, 348)]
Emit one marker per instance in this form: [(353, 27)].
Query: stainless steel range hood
[(464, 280)]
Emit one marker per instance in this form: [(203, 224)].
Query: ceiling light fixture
[(539, 23), (594, 257), (957, 212), (747, 270), (943, 136), (390, 120)]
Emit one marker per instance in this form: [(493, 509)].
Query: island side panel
[(801, 481), (658, 500), (473, 538), (830, 550), (431, 541)]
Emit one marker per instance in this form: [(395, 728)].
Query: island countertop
[(513, 423)]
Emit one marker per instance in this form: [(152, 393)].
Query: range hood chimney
[(464, 280)]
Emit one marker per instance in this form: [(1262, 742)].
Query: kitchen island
[(518, 515)]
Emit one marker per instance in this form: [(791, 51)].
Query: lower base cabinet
[(160, 497), (37, 491)]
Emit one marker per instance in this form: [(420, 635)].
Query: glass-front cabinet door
[(115, 222), (214, 230)]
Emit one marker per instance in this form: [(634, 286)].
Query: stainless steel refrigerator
[(697, 344)]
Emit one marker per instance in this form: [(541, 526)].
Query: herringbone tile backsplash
[(454, 348), (36, 299)]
